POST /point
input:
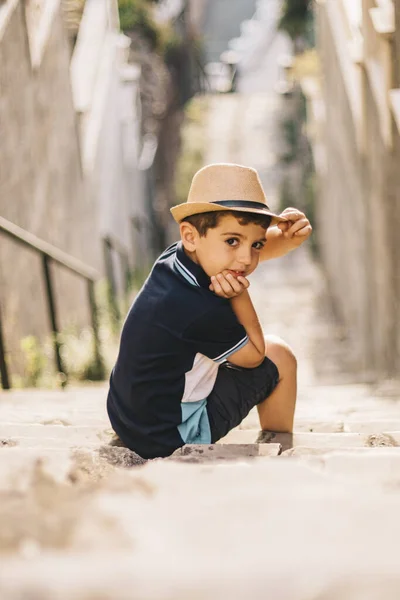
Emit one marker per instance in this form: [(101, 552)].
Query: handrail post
[(113, 294), (53, 317), (5, 381), (95, 327), (125, 270)]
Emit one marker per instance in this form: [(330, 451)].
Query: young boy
[(193, 360)]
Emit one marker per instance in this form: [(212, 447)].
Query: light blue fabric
[(195, 426), (186, 274), (222, 357)]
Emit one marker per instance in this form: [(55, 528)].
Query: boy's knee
[(280, 353)]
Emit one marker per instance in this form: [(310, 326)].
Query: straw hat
[(225, 186)]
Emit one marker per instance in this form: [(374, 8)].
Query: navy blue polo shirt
[(175, 336)]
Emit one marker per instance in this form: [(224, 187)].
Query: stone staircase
[(313, 515), (351, 418)]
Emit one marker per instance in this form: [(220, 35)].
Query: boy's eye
[(258, 245), (232, 241)]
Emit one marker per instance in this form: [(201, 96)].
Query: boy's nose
[(245, 258)]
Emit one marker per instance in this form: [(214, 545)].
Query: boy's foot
[(285, 439)]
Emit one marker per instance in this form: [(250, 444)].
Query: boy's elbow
[(247, 360), (257, 362)]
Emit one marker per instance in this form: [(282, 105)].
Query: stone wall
[(356, 211), (41, 186), (69, 160), (395, 188)]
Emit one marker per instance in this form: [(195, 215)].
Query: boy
[(193, 360)]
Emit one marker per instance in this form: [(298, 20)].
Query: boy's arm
[(253, 353), (286, 236)]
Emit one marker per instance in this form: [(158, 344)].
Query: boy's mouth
[(237, 273)]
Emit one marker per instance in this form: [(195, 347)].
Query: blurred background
[(108, 108)]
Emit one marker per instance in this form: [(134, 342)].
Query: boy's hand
[(297, 224), (227, 285)]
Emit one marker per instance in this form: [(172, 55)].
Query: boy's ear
[(189, 236)]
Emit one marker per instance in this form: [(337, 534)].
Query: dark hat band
[(242, 204)]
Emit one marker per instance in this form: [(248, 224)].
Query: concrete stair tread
[(57, 435), (111, 549), (345, 426), (305, 452), (313, 440), (20, 464), (215, 452), (51, 431)]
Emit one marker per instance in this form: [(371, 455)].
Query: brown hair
[(209, 220)]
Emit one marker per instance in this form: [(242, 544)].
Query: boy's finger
[(236, 286), (292, 214), (304, 231), (297, 226), (245, 282), (224, 283), (217, 287), (284, 226)]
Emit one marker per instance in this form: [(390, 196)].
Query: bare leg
[(276, 412)]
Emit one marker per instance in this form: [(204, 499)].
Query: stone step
[(369, 465), (200, 453), (22, 467), (47, 411), (18, 466), (36, 435), (313, 440), (305, 452), (97, 416), (72, 433), (346, 426), (49, 443), (342, 537), (334, 426), (57, 435)]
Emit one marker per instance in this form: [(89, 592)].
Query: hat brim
[(181, 211)]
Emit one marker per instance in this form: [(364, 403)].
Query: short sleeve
[(216, 334)]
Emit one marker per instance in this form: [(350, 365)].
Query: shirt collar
[(189, 270)]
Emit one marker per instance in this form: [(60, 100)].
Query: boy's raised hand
[(297, 224), (227, 285)]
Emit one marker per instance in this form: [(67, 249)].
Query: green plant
[(77, 352), (172, 46), (137, 277), (135, 16), (296, 18), (76, 348), (35, 361)]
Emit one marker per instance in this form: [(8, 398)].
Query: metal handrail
[(111, 244), (51, 254)]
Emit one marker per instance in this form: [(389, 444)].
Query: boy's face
[(230, 246)]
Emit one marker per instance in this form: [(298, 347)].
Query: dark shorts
[(236, 391)]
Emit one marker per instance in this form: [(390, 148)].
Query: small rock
[(8, 443), (381, 439), (121, 457)]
